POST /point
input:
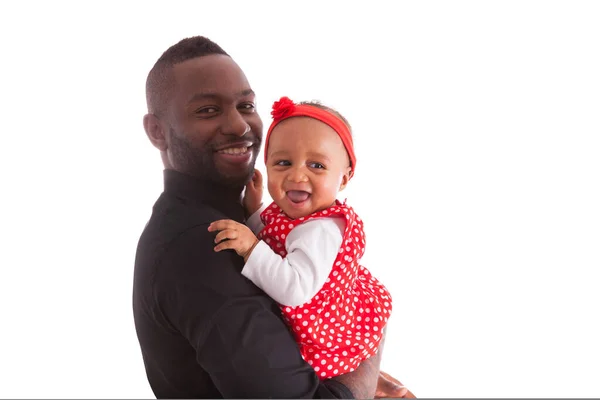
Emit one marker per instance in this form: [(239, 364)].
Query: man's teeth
[(234, 150)]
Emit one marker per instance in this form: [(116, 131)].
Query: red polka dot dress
[(343, 323)]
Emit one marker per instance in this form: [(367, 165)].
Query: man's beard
[(200, 163)]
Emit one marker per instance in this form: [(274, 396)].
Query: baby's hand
[(253, 194), (240, 237)]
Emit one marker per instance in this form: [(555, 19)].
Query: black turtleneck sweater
[(206, 331)]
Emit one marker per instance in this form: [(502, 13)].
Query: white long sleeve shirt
[(311, 251)]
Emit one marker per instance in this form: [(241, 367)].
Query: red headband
[(286, 108)]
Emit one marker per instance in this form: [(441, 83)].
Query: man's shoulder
[(172, 222), (177, 245), (172, 215)]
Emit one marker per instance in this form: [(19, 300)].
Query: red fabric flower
[(282, 108)]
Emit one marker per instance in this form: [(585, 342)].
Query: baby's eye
[(284, 163), (316, 165)]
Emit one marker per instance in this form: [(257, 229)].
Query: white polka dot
[(304, 323)]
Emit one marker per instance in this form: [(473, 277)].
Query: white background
[(477, 130)]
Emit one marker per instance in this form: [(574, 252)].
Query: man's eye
[(248, 107), (207, 110)]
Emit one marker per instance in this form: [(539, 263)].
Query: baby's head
[(309, 155)]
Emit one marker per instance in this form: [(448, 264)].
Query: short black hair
[(159, 81)]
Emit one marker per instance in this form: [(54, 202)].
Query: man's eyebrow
[(246, 92), (211, 95)]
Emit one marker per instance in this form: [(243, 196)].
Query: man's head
[(201, 113)]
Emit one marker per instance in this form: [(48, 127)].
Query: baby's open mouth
[(297, 196)]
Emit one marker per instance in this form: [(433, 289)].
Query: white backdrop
[(477, 131)]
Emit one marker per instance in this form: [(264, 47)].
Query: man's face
[(213, 129)]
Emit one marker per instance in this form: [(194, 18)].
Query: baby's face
[(307, 165)]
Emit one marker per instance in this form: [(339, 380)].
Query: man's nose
[(236, 124)]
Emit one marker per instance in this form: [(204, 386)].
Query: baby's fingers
[(227, 234)]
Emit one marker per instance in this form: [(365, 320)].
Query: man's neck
[(224, 198)]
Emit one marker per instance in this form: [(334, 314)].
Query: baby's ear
[(346, 178)]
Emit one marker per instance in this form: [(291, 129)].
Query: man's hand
[(235, 236), (253, 194), (390, 387)]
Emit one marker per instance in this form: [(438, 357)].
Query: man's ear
[(155, 132), (346, 178)]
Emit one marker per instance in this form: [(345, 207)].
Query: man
[(204, 329)]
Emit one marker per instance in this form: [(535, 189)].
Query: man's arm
[(236, 330), (363, 381)]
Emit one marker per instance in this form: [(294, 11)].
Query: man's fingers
[(388, 386)]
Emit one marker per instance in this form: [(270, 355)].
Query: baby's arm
[(254, 222), (312, 248)]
